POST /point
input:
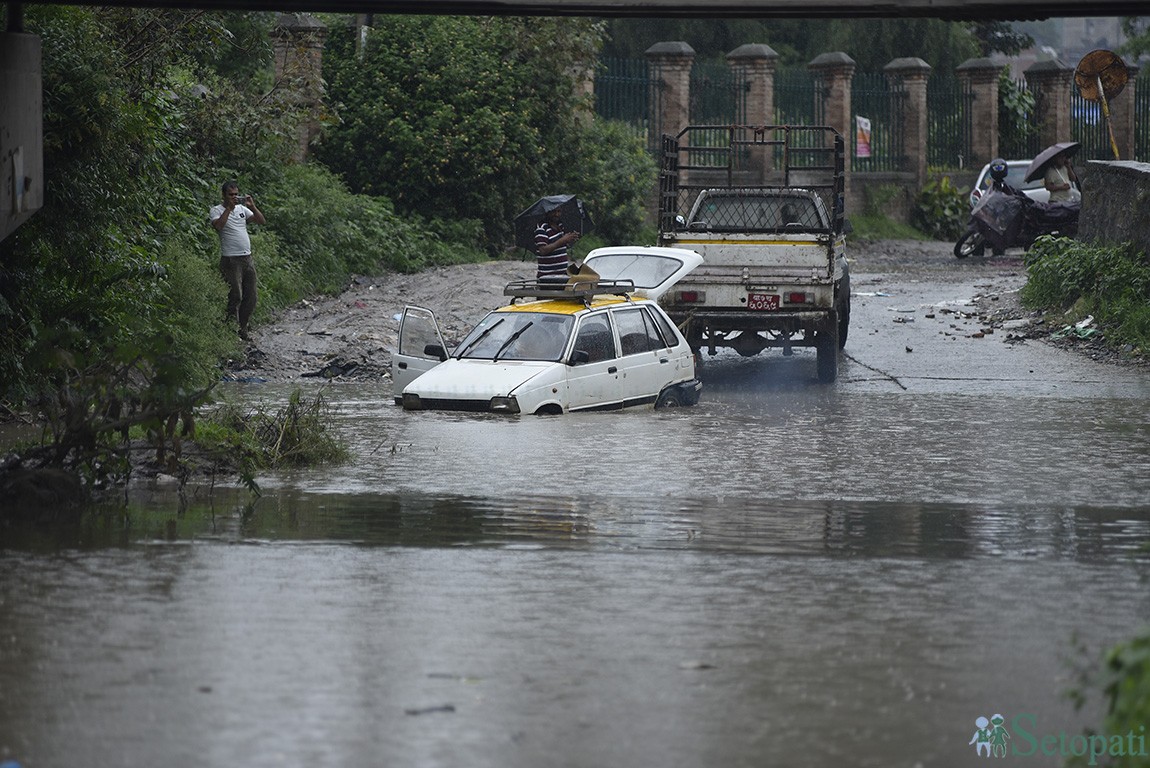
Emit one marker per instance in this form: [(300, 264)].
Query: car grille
[(444, 404)]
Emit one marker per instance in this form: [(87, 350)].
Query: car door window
[(595, 338), (636, 332), (670, 338), (417, 331)]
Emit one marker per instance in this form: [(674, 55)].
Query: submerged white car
[(595, 344)]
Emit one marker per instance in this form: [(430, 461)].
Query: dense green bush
[(614, 174), (110, 298), (942, 210), (1017, 129), (1112, 283), (473, 118), (1123, 679)]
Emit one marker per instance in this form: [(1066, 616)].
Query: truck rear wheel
[(827, 350), (844, 309)]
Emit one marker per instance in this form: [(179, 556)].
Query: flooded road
[(787, 573)]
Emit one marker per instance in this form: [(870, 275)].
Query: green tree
[(1137, 31), (458, 117)]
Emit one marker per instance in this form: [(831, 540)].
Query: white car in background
[(595, 344), (1015, 173)]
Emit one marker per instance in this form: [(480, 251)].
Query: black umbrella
[(571, 211), (1037, 167)]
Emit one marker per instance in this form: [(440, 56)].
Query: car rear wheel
[(669, 398)]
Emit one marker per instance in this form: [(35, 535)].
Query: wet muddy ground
[(349, 336)]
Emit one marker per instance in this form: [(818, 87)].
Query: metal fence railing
[(1088, 127), (797, 99), (718, 94), (626, 92), (1019, 137), (949, 123), (877, 141), (1142, 116)]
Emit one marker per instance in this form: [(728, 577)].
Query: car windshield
[(518, 336)]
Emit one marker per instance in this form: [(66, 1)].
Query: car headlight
[(505, 404), (411, 402)]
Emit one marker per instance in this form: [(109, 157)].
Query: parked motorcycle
[(1006, 218)]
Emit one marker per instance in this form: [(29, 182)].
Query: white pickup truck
[(763, 205)]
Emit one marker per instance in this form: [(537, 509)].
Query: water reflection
[(834, 528), (809, 577)]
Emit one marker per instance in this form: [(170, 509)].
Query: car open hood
[(476, 379), (654, 270)]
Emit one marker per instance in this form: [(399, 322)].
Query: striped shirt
[(552, 268)]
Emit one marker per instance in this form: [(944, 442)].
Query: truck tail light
[(691, 297), (796, 297)]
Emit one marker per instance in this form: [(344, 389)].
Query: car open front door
[(421, 348)]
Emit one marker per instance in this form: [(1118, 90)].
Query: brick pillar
[(1051, 82), (297, 39), (1122, 116), (981, 75), (670, 66), (755, 64), (909, 76), (833, 74)]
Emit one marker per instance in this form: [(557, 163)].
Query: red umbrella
[(1037, 168)]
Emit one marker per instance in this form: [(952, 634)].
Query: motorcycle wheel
[(970, 244)]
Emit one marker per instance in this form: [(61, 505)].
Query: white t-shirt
[(234, 240)]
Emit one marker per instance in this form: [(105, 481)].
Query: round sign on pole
[(1100, 76), (1100, 72)]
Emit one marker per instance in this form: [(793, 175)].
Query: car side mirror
[(578, 357), (436, 351)]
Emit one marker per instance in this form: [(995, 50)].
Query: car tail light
[(796, 297), (691, 297)]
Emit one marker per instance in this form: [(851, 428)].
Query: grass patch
[(880, 227), (1076, 279)]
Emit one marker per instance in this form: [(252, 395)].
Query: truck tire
[(970, 244), (844, 310), (827, 351)]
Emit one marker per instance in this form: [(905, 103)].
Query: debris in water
[(430, 710)]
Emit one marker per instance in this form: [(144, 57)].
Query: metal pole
[(1106, 114)]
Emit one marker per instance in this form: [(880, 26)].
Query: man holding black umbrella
[(551, 241)]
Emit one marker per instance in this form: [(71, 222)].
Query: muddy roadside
[(351, 336)]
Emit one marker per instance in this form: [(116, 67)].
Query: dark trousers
[(239, 273)]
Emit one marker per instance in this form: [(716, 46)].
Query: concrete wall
[(1116, 203), (21, 142)]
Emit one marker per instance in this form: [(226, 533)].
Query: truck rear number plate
[(762, 301)]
